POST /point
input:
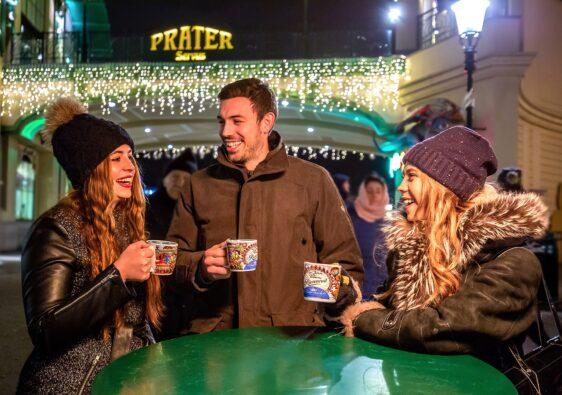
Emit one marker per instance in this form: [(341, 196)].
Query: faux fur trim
[(352, 312), (61, 112), (503, 216), (357, 289)]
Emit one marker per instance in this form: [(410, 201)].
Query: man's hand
[(214, 265)]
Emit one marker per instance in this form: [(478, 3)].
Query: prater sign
[(190, 42)]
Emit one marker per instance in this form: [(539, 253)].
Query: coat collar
[(501, 221), (276, 160)]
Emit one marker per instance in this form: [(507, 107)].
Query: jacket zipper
[(89, 374), (91, 290)]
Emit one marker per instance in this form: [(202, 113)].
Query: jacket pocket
[(302, 244)]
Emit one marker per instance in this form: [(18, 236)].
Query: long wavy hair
[(93, 204), (442, 211)]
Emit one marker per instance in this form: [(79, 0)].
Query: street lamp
[(470, 19)]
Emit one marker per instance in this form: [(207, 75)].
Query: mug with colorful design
[(242, 254), (165, 253), (322, 282)]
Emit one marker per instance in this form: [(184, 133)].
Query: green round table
[(292, 361)]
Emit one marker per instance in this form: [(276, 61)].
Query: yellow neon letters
[(188, 38)]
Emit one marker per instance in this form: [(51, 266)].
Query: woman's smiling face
[(411, 191), (122, 171)]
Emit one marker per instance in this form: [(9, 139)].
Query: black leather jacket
[(66, 310)]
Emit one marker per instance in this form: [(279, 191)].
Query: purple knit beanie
[(457, 158)]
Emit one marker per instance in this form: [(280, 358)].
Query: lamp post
[(470, 19)]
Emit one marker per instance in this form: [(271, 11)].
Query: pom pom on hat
[(61, 112)]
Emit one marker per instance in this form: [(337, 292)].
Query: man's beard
[(251, 152)]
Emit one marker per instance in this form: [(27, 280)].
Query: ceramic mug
[(322, 282), (165, 254), (242, 255)]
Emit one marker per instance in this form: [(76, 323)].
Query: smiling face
[(243, 135), (412, 192), (122, 170)]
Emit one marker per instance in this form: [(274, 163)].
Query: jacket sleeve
[(184, 231), (333, 231), (498, 303), (54, 317)]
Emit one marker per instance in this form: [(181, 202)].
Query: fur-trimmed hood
[(504, 216)]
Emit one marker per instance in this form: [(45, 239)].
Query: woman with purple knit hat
[(459, 279)]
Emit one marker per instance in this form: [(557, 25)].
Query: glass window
[(25, 188)]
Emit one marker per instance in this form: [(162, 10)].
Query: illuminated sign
[(190, 42)]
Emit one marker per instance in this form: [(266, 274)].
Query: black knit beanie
[(81, 141), (457, 158)]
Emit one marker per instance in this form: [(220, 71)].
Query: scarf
[(367, 211)]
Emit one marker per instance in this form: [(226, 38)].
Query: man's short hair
[(260, 94)]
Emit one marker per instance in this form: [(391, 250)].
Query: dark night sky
[(132, 17)]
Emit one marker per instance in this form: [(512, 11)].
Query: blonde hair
[(93, 204), (442, 211)]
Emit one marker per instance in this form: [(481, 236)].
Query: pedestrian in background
[(510, 179), (178, 299), (86, 282), (367, 213), (344, 186), (160, 207)]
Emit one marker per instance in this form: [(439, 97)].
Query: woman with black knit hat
[(87, 289), (460, 280)]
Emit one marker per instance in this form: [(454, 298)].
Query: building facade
[(329, 107), (517, 83)]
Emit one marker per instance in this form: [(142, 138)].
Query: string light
[(369, 84), (202, 151)]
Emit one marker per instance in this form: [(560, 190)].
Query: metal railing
[(46, 48), (100, 47), (435, 26)]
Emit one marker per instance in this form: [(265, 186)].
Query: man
[(255, 191), (177, 298)]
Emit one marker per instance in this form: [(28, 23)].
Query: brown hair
[(93, 203), (260, 94)]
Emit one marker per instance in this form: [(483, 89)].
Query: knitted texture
[(81, 144), (458, 158)]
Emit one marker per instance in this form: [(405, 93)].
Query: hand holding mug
[(135, 262), (214, 264)]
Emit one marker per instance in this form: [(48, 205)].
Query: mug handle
[(153, 260)]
